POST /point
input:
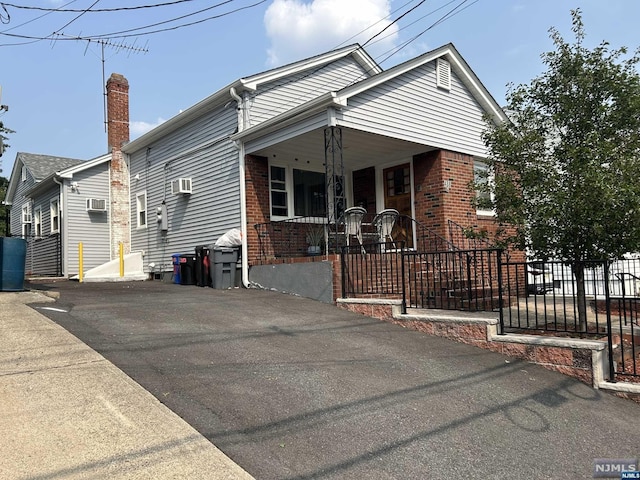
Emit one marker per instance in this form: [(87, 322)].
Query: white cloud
[(140, 128), (298, 29)]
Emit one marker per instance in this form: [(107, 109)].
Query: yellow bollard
[(80, 262), (121, 260)]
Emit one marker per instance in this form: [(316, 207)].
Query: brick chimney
[(117, 111), (117, 136)]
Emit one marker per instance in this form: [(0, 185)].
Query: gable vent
[(181, 185), (96, 205), (443, 74)]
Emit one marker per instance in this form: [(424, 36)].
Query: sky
[(52, 61)]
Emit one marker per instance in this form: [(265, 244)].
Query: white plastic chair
[(383, 223), (353, 224)]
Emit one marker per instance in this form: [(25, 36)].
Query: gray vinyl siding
[(90, 228), (450, 120), (203, 152), (44, 252), (284, 94), (307, 125)]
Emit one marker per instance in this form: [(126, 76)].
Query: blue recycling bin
[(176, 268), (13, 255)]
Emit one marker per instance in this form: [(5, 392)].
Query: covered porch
[(302, 194)]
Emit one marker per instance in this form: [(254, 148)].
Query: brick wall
[(257, 197), (118, 135)]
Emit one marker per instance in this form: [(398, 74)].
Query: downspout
[(242, 118), (61, 204)]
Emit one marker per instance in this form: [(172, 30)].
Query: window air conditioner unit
[(96, 205), (181, 185)]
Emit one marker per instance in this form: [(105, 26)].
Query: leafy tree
[(4, 228), (565, 171), (3, 139)]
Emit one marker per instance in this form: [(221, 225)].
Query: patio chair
[(383, 223), (352, 218)]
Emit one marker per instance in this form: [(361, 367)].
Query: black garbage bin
[(203, 276), (223, 266), (187, 269)]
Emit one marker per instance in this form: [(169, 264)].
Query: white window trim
[(23, 173), (139, 195), (25, 227), (288, 176), (37, 222), (55, 202)]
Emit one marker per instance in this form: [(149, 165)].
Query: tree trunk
[(581, 297)]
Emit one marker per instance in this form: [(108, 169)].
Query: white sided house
[(298, 145), (58, 203)]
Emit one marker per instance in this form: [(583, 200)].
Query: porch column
[(334, 174)]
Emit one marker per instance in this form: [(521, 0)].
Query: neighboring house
[(307, 140), (57, 203)]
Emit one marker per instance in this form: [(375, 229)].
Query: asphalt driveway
[(290, 388)]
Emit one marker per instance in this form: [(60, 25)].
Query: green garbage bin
[(13, 255)]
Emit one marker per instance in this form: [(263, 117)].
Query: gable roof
[(341, 97), (68, 173), (251, 84), (39, 166)]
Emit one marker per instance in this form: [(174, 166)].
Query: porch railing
[(290, 238), (466, 238)]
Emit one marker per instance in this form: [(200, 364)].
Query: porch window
[(55, 216), (279, 204), (309, 194), (302, 192), (37, 222), (141, 208)]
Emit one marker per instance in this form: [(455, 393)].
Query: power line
[(91, 10), (124, 34), (77, 17), (394, 22), (113, 34)]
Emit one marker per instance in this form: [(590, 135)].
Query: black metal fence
[(529, 297), (454, 279)]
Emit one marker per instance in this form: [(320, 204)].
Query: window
[(481, 177), (398, 181), (141, 207), (26, 220), (24, 173), (279, 204), (294, 192), (55, 216), (37, 222), (309, 197)]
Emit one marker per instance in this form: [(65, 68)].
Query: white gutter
[(243, 193)]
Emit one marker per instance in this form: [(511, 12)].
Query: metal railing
[(291, 237), (454, 280), (466, 238)]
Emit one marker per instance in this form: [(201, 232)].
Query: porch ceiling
[(360, 149)]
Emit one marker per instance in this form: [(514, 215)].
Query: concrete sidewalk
[(67, 412)]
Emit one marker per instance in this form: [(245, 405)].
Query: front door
[(397, 195)]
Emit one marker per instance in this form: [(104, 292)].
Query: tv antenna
[(119, 46)]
